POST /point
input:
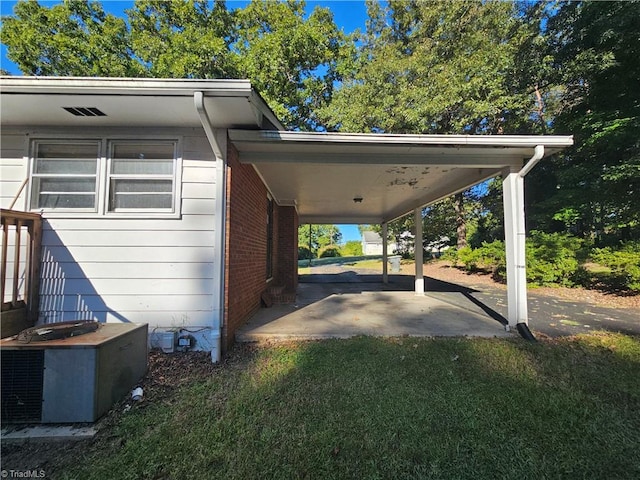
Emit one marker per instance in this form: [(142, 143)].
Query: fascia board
[(267, 136)]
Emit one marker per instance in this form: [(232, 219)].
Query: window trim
[(109, 176), (102, 183), (33, 175)]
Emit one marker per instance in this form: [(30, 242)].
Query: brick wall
[(246, 245)]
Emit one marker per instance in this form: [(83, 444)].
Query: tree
[(316, 237), (71, 38), (291, 58), (592, 190), (183, 39), (436, 67)]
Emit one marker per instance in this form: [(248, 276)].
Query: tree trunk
[(461, 222)]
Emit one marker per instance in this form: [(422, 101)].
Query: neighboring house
[(177, 202), (372, 243)]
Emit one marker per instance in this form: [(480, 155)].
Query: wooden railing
[(20, 271)]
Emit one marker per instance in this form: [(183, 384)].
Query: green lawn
[(392, 408)]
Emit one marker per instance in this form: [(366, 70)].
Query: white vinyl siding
[(131, 267)]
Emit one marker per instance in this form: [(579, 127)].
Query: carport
[(377, 178)]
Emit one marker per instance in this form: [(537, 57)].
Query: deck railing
[(20, 270)]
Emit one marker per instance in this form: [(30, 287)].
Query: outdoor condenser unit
[(75, 379)]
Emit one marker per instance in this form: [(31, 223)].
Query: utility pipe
[(220, 217)]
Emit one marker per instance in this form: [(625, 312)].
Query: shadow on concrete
[(348, 303)]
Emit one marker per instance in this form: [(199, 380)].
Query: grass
[(392, 408)]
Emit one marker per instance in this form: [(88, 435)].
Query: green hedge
[(623, 263), (552, 259), (330, 251)]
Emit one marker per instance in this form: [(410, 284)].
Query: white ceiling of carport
[(321, 173)]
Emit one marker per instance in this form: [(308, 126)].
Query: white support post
[(385, 253), (418, 252), (514, 232)]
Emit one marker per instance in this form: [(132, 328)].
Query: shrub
[(552, 258), (490, 256), (353, 248), (304, 253), (624, 264), (468, 257), (451, 255), (493, 257), (330, 251)]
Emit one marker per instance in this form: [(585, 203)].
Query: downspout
[(220, 219), (538, 153)]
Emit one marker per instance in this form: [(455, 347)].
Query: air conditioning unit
[(70, 380)]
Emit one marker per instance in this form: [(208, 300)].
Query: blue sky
[(348, 15)]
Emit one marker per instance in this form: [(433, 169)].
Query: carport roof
[(322, 174)]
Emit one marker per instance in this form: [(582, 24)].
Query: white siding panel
[(129, 271), (198, 190), (171, 319), (13, 141), (122, 286), (12, 156), (101, 304), (187, 222), (13, 173), (136, 254), (199, 175), (198, 206), (104, 238)]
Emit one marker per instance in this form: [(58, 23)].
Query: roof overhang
[(131, 102), (322, 173)]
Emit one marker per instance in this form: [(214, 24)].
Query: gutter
[(219, 150)]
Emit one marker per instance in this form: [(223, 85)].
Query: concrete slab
[(44, 433), (362, 306)]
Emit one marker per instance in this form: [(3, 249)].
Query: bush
[(489, 257), (624, 264), (353, 248), (304, 253), (330, 251), (552, 258)]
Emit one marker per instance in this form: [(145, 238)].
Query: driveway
[(338, 301)]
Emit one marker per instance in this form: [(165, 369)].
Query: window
[(141, 176), (106, 176), (65, 175)]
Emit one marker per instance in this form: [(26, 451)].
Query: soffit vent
[(85, 111)]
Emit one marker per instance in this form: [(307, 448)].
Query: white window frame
[(116, 176), (33, 175), (102, 177)]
